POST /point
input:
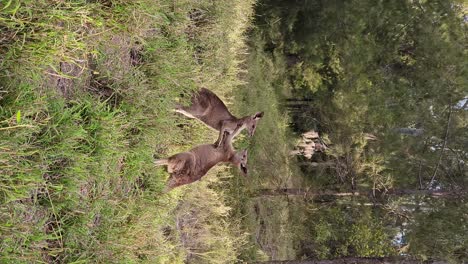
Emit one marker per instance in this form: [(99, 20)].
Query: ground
[(86, 98)]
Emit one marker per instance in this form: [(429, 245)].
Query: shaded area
[(381, 84)]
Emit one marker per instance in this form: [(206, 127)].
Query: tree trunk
[(415, 132), (393, 192), (323, 164), (297, 103), (351, 260)]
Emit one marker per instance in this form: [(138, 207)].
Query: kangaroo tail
[(167, 189), (161, 162)]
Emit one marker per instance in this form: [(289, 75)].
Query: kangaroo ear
[(244, 152), (244, 170), (258, 115)]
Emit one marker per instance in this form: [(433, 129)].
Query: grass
[(269, 221), (86, 89)]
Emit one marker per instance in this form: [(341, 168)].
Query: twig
[(419, 175), (58, 232), (13, 127), (443, 146), (373, 189), (420, 166)]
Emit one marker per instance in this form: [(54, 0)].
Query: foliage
[(441, 233), (361, 73), (269, 222), (335, 232), (374, 67)]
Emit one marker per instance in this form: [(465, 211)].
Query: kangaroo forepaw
[(217, 144)]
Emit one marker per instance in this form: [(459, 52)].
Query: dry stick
[(419, 175), (54, 212), (443, 146), (17, 126), (420, 166)]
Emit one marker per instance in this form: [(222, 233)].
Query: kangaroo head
[(251, 123), (240, 159)]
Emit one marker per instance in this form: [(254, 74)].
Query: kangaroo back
[(187, 167), (207, 107), (191, 166)]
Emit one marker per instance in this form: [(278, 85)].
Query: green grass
[(85, 95), (269, 221)]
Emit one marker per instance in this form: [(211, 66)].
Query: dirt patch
[(7, 39), (29, 213), (104, 3), (136, 56), (119, 55), (102, 88), (67, 77), (198, 19), (97, 74), (51, 252), (186, 227), (69, 71)]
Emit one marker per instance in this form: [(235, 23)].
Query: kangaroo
[(207, 107), (187, 167)]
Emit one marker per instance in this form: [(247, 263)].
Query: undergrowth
[(86, 89), (269, 221)]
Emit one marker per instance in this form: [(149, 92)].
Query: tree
[(393, 260), (441, 232), (392, 69), (390, 192)]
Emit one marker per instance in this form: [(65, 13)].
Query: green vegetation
[(440, 233), (376, 69), (266, 220), (86, 89), (340, 231), (86, 92), (384, 84)]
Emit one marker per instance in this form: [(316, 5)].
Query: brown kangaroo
[(187, 167), (207, 107)]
